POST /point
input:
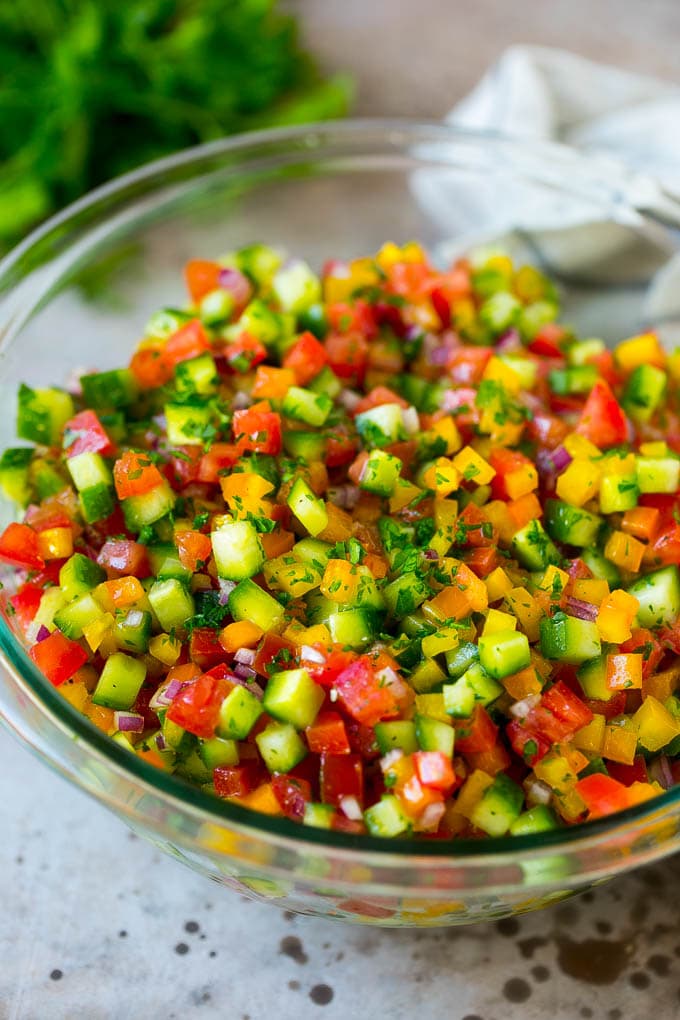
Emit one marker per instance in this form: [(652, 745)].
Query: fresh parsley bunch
[(91, 88)]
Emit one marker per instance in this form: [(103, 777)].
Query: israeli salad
[(383, 550)]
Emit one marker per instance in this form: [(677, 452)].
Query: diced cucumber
[(319, 816), (237, 550), (575, 379), (262, 323), (381, 426), (539, 818), (461, 658), (405, 594), (197, 375), (354, 628), (307, 406), (434, 735), (148, 508), (47, 478), (535, 316), (250, 602), (399, 735), (386, 818), (500, 311), (583, 351), (504, 652), (659, 596), (644, 392), (14, 474), (533, 548), (427, 676), (500, 805), (592, 677), (171, 567), (313, 552), (106, 390), (307, 446), (216, 307), (309, 509), (132, 630), (239, 712), (79, 575), (172, 603), (176, 737), (88, 470), (120, 682), (601, 567), (96, 503), (292, 696), (76, 615), (217, 751), (570, 524), (296, 287), (280, 746), (326, 382), (618, 493), (186, 424), (380, 473), (474, 687), (165, 322), (658, 474), (569, 639), (42, 415), (258, 261)]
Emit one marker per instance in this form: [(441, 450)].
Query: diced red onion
[(173, 689), (537, 791), (412, 332), (431, 816), (581, 610), (351, 808), (164, 696), (344, 496), (660, 770), (545, 465), (431, 554), (42, 633), (522, 708), (243, 671), (510, 341), (349, 399), (238, 285), (439, 356), (246, 656), (411, 420), (226, 588), (161, 742), (310, 654), (129, 722), (390, 758), (561, 458), (241, 400)]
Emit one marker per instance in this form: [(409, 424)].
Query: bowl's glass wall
[(77, 295)]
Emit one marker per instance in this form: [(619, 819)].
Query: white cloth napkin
[(629, 125)]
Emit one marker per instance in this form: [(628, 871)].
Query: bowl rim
[(311, 138)]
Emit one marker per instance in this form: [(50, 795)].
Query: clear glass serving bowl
[(77, 293)]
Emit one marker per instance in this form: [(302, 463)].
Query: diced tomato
[(477, 530), (529, 746), (305, 358), (275, 653), (609, 709), (194, 549), (461, 402), (548, 341), (665, 549), (602, 794), (602, 420), (466, 364), (327, 672), (58, 657), (357, 318), (340, 448), (492, 762), (86, 434), (644, 641), (219, 458), (482, 560), (629, 774), (236, 780), (327, 734), (149, 368), (19, 547), (205, 648), (342, 775), (567, 706), (124, 558), (292, 794), (201, 277), (347, 355), (184, 466), (25, 603), (257, 431), (47, 516), (244, 353), (188, 341), (478, 733), (363, 695), (197, 705), (505, 462), (135, 474)]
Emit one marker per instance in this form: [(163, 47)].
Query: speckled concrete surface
[(96, 925)]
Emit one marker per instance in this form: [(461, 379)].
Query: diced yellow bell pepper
[(527, 610), (497, 514), (444, 640), (165, 648), (624, 465), (55, 543), (497, 620), (391, 253), (656, 726), (472, 467), (442, 477), (590, 589), (590, 738), (432, 705), (580, 482), (643, 349), (499, 371), (403, 493), (471, 792), (620, 744), (554, 580), (95, 632), (447, 430), (580, 448), (340, 581), (498, 584)]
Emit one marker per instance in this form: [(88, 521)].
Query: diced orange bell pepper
[(616, 615), (624, 672), (624, 551)]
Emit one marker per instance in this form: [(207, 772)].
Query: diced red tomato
[(529, 746), (219, 458), (236, 780), (602, 420), (201, 277), (197, 705), (347, 354), (292, 794), (274, 654), (365, 697), (58, 657), (567, 707), (257, 431), (548, 341), (378, 396), (134, 474), (124, 558), (205, 648), (340, 448), (602, 794), (478, 733), (194, 549), (466, 364), (25, 602), (188, 341), (86, 434), (149, 367), (629, 774), (184, 466), (342, 775), (244, 353), (305, 358), (327, 734), (19, 547)]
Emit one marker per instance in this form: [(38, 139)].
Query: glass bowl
[(76, 294)]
